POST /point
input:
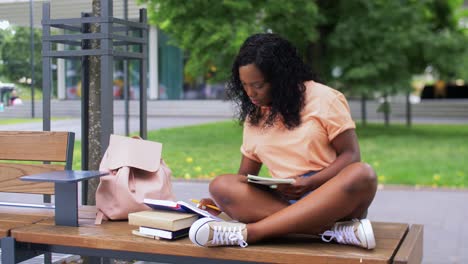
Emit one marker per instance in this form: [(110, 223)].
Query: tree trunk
[(408, 110), (94, 152), (386, 111), (363, 109)]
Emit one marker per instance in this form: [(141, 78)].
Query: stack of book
[(161, 224), (168, 219)]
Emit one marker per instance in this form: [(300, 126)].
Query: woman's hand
[(204, 205), (296, 190)]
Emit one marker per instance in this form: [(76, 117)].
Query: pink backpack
[(137, 171)]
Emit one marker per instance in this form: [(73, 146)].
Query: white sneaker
[(356, 232), (207, 232)]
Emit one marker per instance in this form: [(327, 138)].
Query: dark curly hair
[(283, 68)]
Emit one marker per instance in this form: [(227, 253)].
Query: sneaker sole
[(369, 232), (193, 232)]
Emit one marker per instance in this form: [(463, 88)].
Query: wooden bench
[(31, 149), (396, 242), (31, 152)]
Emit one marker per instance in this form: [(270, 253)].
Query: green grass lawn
[(425, 155), (12, 121)]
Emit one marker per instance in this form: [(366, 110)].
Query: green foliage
[(446, 47), (446, 52), (373, 46), (211, 32), (16, 54)]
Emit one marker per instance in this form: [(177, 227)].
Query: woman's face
[(253, 81)]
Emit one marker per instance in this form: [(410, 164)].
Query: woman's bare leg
[(242, 201), (345, 196)]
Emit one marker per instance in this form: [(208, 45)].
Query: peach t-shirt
[(306, 148)]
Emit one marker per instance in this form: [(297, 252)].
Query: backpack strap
[(99, 217)]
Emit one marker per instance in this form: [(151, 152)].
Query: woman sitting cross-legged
[(299, 129)]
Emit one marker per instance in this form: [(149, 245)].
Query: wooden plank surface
[(13, 217), (411, 250), (33, 145), (10, 221), (10, 172), (12, 213), (6, 226), (297, 249)]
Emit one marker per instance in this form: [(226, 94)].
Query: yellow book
[(171, 221)]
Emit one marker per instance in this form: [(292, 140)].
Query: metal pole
[(107, 63), (126, 82), (46, 73), (31, 21), (85, 44), (143, 73)]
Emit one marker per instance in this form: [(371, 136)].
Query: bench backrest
[(34, 150)]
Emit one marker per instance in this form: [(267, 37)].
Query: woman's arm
[(347, 150), (249, 166)]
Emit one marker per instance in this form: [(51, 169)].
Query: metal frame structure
[(109, 39), (16, 252)]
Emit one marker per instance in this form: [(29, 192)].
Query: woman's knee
[(223, 185), (362, 177)]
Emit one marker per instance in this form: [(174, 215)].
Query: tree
[(3, 36), (361, 46), (448, 41), (211, 32), (372, 47), (94, 143), (379, 51), (16, 54)]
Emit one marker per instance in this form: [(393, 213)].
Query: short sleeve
[(338, 117), (248, 144), (249, 154)]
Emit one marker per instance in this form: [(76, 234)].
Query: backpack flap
[(132, 152)]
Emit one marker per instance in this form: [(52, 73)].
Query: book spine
[(137, 220), (164, 233), (156, 232)]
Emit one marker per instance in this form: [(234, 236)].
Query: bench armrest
[(66, 192), (65, 176)]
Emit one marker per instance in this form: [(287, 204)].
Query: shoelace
[(342, 234), (228, 236)]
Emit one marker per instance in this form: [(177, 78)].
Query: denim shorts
[(304, 175)]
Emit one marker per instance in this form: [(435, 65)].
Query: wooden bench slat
[(117, 236), (10, 221), (14, 217), (10, 182), (411, 250), (6, 226), (33, 145)]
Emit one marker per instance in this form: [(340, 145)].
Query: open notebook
[(272, 182), (178, 206)]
